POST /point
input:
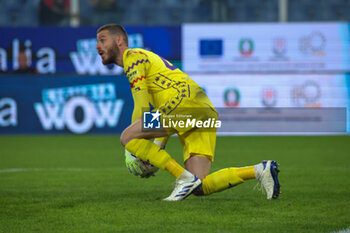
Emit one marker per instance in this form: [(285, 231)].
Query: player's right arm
[(140, 104), (135, 66)]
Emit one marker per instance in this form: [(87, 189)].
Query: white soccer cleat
[(184, 186), (269, 179)]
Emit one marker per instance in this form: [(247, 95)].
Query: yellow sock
[(246, 173), (174, 168), (221, 180), (148, 151)]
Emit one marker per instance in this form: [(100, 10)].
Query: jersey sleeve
[(135, 67)]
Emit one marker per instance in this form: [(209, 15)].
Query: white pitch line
[(14, 170), (342, 231)]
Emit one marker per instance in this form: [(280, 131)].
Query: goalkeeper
[(154, 80)]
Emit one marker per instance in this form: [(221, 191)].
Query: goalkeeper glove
[(132, 164)]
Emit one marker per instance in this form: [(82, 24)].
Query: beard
[(112, 54)]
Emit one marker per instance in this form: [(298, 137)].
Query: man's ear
[(119, 40)]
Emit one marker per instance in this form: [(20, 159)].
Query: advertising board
[(58, 105), (63, 50), (266, 47), (251, 98)]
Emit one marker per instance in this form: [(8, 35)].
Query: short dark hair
[(115, 29)]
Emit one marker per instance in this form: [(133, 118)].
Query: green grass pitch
[(80, 184)]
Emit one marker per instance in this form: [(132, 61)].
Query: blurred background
[(264, 56), (34, 13)]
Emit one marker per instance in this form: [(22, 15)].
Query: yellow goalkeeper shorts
[(192, 102), (198, 143)]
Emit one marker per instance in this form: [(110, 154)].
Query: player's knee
[(201, 176)]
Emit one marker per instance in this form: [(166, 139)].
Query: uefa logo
[(151, 120)]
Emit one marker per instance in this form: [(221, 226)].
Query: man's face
[(107, 47)]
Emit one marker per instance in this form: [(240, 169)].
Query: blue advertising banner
[(53, 50), (59, 105)]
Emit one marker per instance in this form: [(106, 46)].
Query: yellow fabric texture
[(220, 180), (198, 143), (148, 73), (246, 173), (148, 151), (174, 168)]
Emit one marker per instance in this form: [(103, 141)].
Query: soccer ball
[(138, 167)]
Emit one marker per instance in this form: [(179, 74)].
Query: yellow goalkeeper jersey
[(154, 80)]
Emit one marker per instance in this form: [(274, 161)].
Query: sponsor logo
[(269, 97), (8, 112), (246, 47), (307, 94), (211, 47), (151, 120), (232, 97), (313, 44), (46, 57), (279, 49), (79, 108)]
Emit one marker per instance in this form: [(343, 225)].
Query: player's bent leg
[(221, 180), (198, 165), (226, 178), (135, 141), (217, 181), (266, 172), (146, 150), (184, 186)]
